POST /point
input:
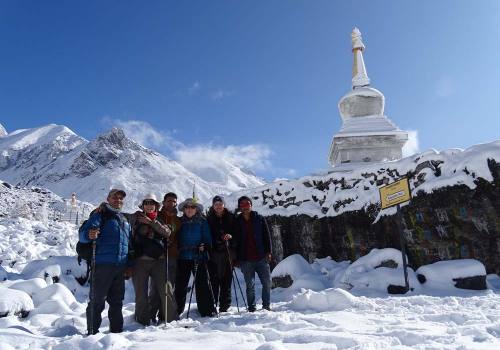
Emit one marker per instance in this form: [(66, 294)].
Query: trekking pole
[(232, 269), (166, 285), (210, 286), (92, 291), (236, 296), (192, 286), (237, 280), (239, 286)]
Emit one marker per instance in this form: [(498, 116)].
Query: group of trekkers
[(161, 246)]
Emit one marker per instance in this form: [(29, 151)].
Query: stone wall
[(450, 223)]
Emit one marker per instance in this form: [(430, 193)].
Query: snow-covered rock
[(290, 270), (294, 265), (54, 268), (453, 273), (14, 302), (56, 291), (376, 257), (29, 286), (327, 300), (37, 203), (380, 279), (25, 241), (377, 270), (54, 307)]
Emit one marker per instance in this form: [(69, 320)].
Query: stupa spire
[(359, 76)]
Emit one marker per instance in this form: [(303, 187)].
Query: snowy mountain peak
[(27, 152), (55, 157), (3, 132), (114, 137)]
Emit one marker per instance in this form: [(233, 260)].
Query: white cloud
[(251, 157), (144, 133), (445, 87), (411, 147), (220, 94), (194, 88)]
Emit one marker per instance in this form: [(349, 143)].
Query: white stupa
[(366, 135)]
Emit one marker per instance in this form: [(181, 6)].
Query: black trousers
[(204, 299), (109, 287), (221, 277)]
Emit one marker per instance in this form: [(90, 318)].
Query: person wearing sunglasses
[(194, 240), (253, 243), (149, 240)]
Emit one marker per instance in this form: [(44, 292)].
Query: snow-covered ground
[(330, 305)]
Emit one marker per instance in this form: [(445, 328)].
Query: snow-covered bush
[(42, 213), (21, 209)]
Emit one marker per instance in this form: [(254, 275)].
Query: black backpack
[(84, 250)]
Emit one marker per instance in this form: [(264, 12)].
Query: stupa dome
[(361, 102)]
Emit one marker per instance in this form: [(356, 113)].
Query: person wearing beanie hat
[(218, 198), (253, 242), (220, 221), (244, 198), (193, 240), (149, 239)]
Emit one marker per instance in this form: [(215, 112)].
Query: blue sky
[(255, 81)]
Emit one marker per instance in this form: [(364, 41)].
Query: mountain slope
[(56, 158)]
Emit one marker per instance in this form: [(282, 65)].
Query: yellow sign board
[(395, 193)]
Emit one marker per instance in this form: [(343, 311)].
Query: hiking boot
[(266, 307), (251, 309), (223, 308)]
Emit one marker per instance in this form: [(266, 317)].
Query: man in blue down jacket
[(111, 230)]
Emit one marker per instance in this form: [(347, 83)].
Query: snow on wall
[(337, 192)]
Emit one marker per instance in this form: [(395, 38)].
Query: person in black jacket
[(220, 221), (253, 242)]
